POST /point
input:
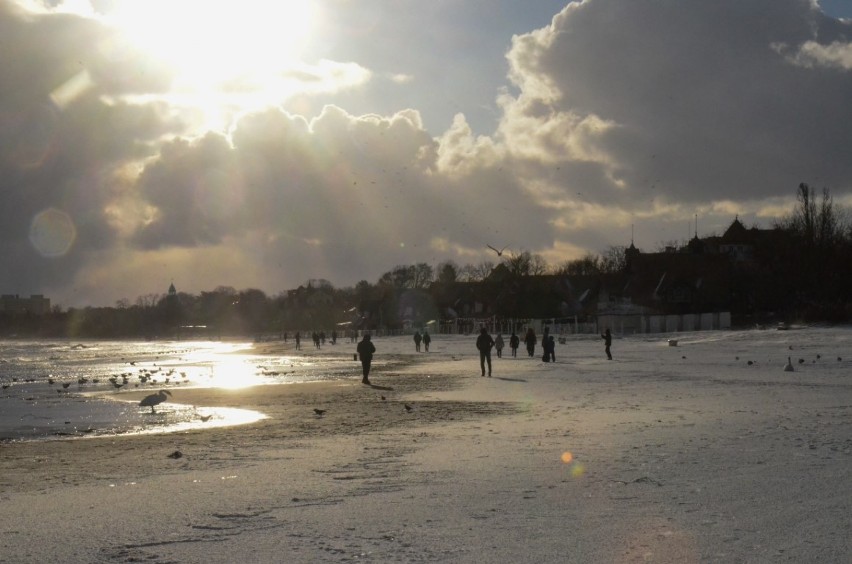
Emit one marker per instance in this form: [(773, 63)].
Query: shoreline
[(705, 452)]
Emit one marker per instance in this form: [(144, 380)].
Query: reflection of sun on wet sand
[(719, 456)]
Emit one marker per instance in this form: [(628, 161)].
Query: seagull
[(408, 408), (319, 412), (500, 252), (205, 418), (154, 399), (176, 454), (66, 384), (383, 398)]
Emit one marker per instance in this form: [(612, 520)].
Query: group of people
[(484, 343), (424, 338)]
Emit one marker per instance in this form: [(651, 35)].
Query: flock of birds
[(146, 376)]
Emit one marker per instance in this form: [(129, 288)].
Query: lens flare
[(52, 232)]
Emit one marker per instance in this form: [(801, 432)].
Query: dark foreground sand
[(685, 454)]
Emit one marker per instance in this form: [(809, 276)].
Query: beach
[(708, 451)]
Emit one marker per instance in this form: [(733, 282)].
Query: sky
[(261, 144)]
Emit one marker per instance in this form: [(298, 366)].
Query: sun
[(220, 45)]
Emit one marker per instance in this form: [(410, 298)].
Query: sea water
[(56, 389)]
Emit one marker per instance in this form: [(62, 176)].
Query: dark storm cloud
[(700, 101), (60, 142)]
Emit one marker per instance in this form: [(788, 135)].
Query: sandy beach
[(708, 451)]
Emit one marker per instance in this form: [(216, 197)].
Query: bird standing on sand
[(205, 418), (154, 399), (408, 408), (319, 412)]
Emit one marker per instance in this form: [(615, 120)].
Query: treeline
[(804, 269), (801, 269), (317, 304)]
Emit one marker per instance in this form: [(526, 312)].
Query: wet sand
[(666, 454)]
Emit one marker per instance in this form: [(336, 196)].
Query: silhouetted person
[(514, 343), (334, 337), (298, 338), (548, 345), (426, 340), (530, 341), (417, 339), (498, 345), (484, 343), (607, 337), (365, 352)]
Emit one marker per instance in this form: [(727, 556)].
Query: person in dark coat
[(514, 343), (530, 341), (426, 340), (417, 339), (298, 340), (484, 343), (548, 345), (607, 337), (365, 352)]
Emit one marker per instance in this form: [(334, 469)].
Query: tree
[(480, 272), (421, 274), (448, 272), (613, 259), (587, 265), (526, 264)]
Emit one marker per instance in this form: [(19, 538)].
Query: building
[(36, 304)]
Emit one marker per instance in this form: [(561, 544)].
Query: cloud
[(837, 54), (634, 106), (617, 113)]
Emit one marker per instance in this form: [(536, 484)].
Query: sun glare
[(223, 45)]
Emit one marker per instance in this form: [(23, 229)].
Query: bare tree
[(422, 275), (476, 272), (613, 259), (526, 264), (589, 264), (448, 272)]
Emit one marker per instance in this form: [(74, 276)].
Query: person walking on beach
[(426, 340), (530, 341), (417, 339), (514, 343), (365, 352), (484, 343), (607, 337), (498, 345), (548, 344), (298, 338)]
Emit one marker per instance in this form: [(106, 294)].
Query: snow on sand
[(703, 452)]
